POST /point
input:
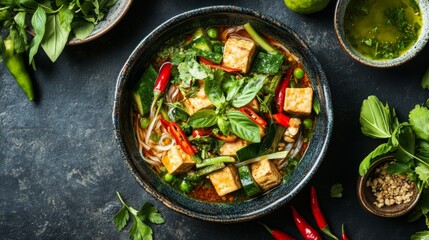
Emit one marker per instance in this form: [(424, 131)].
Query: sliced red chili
[(181, 138), (281, 119), (165, 123), (213, 65), (199, 132), (281, 90), (253, 116)]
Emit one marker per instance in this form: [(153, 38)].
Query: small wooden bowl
[(367, 198)]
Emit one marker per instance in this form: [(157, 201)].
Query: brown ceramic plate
[(367, 198)]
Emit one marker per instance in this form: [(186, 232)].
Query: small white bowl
[(384, 63)]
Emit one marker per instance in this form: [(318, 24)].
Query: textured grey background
[(60, 165)]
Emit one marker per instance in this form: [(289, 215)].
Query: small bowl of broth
[(219, 144), (382, 33)]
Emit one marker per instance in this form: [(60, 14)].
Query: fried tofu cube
[(177, 161), (231, 148), (225, 180), (299, 101), (265, 174), (199, 101), (238, 53)]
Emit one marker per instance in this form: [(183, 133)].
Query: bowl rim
[(413, 51), (368, 206), (263, 210)]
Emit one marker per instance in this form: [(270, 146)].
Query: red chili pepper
[(199, 132), (253, 116), (180, 137), (163, 77), (213, 65), (318, 215), (281, 90), (343, 233), (161, 82), (307, 231), (277, 234), (281, 119)]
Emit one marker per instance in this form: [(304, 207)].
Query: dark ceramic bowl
[(367, 198), (421, 42), (149, 180)]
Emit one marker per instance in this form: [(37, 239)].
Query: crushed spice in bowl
[(386, 194)]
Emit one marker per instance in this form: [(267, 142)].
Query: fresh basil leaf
[(404, 138), (29, 4), (223, 125), (213, 90), (82, 29), (400, 168), (379, 151), (425, 80), (419, 120), (230, 86), (57, 31), (121, 218), (336, 191), (21, 26), (249, 91), (19, 43), (375, 119), (10, 3), (4, 16), (423, 235), (104, 4), (203, 118), (38, 22), (243, 127)]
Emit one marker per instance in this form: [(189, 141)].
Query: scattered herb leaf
[(337, 190)]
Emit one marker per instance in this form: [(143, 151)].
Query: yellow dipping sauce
[(382, 29)]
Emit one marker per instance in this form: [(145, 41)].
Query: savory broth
[(223, 119), (382, 29)]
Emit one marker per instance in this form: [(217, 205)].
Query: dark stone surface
[(60, 165)]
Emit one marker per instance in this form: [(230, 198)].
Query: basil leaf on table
[(249, 91), (213, 90), (82, 29), (422, 150), (422, 172), (404, 138), (58, 27), (38, 22), (425, 80), (423, 235), (376, 119), (379, 151), (243, 127), (419, 120), (203, 118)]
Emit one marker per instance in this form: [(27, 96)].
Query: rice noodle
[(287, 148), (150, 128), (298, 146), (228, 31)]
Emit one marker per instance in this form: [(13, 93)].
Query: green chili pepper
[(16, 66)]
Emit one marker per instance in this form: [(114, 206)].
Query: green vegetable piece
[(249, 91), (144, 122), (248, 152), (267, 63), (178, 115), (209, 169), (379, 151), (203, 118), (249, 186), (198, 33), (243, 127), (212, 33), (202, 43), (143, 92), (169, 177), (258, 39), (298, 73), (211, 161), (336, 190), (211, 56), (139, 229), (185, 187), (308, 123), (217, 47), (16, 66)]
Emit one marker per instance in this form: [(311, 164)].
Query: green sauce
[(382, 29)]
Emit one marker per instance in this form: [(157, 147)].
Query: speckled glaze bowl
[(112, 17), (149, 180), (367, 198), (412, 52)]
